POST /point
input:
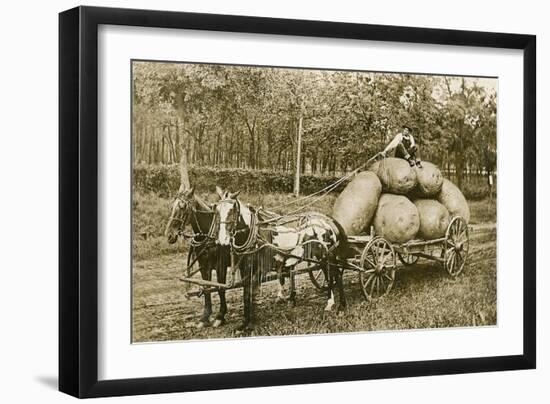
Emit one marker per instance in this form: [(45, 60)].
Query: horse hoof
[(330, 305), (202, 324), (217, 323), (280, 299), (245, 328)]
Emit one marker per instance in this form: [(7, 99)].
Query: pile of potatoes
[(400, 201)]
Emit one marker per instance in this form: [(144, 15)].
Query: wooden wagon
[(372, 256), (375, 258)]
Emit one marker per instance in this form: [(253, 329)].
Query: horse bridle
[(184, 217), (190, 211), (252, 230), (236, 214)]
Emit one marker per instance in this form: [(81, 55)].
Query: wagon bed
[(374, 258)]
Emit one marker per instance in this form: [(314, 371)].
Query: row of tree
[(248, 117)]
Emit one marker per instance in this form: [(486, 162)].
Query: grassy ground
[(423, 295)]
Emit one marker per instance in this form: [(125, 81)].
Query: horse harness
[(197, 239)]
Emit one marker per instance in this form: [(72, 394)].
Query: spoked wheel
[(318, 278), (378, 268), (313, 249), (457, 244), (407, 259)]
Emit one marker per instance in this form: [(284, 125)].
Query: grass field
[(151, 213), (423, 295)]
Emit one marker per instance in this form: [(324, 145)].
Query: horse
[(188, 208), (290, 240)]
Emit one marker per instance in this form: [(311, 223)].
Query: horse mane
[(203, 205)]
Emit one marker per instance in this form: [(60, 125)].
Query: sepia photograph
[(285, 201)]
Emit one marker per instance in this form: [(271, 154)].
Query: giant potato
[(396, 218), (434, 218), (451, 197), (429, 180), (395, 174), (355, 206)]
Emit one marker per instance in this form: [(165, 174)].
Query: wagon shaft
[(204, 282), (212, 286)]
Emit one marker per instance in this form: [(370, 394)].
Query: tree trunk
[(298, 158), (184, 174), (150, 153), (459, 156), (177, 150), (171, 149), (162, 151)]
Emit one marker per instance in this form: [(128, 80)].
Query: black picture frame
[(78, 201)]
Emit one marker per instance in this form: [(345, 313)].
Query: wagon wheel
[(457, 244), (378, 268), (318, 278), (407, 259), (312, 250)]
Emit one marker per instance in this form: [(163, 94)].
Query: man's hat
[(407, 127)]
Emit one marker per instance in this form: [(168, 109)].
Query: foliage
[(483, 211), (151, 213), (164, 180), (248, 117)]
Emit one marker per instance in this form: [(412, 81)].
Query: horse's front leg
[(204, 321), (339, 274), (292, 298), (255, 283), (221, 275), (247, 295), (250, 285)]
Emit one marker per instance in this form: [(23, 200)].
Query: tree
[(242, 116)]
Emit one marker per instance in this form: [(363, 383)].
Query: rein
[(197, 239), (250, 241), (317, 196)]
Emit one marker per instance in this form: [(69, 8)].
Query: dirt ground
[(423, 296)]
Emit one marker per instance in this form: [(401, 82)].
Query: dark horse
[(256, 245), (188, 208)]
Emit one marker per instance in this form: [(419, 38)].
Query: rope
[(255, 243), (322, 192), (251, 239)]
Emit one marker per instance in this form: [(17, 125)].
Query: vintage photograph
[(281, 201)]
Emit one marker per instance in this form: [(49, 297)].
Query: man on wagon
[(405, 147)]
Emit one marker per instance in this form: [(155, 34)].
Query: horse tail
[(342, 251)]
